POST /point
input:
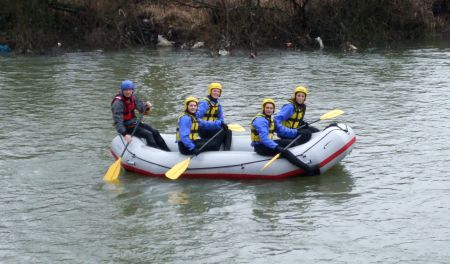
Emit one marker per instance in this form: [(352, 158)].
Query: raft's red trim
[(244, 176), (337, 153)]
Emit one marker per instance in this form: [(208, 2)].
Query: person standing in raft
[(263, 127), (291, 115), (210, 109), (123, 108), (188, 140)]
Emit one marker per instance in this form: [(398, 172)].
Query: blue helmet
[(126, 85)]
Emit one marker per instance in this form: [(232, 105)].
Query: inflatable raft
[(326, 148)]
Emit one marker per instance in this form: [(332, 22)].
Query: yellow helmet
[(190, 99), (300, 89), (214, 85), (267, 100)]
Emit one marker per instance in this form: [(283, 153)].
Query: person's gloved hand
[(302, 131), (279, 149), (304, 124), (224, 126), (305, 134), (196, 151)]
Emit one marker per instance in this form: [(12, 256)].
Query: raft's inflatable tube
[(326, 148)]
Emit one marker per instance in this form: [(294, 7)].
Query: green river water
[(387, 202)]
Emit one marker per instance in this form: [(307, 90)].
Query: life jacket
[(296, 118), (254, 134), (213, 111), (128, 108), (193, 135)]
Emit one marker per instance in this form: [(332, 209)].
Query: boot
[(313, 170)]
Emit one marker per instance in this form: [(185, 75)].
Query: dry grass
[(220, 23)]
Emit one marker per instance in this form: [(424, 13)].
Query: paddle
[(332, 114), (176, 171), (113, 172), (236, 128)]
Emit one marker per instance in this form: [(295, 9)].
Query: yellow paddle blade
[(270, 161), (178, 169), (236, 127), (332, 114), (113, 172)]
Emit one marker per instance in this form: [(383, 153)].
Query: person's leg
[(264, 151), (313, 129), (202, 141), (143, 133), (183, 150), (309, 170), (287, 154), (215, 144), (294, 160), (283, 142), (161, 144), (204, 133), (224, 138), (212, 146), (227, 140)]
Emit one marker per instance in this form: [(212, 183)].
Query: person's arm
[(117, 110), (203, 107), (209, 124), (142, 106), (284, 131), (184, 128), (220, 115), (285, 112), (262, 127), (117, 115)]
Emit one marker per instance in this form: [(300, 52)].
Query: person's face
[(215, 93), (300, 98), (127, 93), (192, 107), (269, 109)]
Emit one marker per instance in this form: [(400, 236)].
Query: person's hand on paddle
[(304, 133), (148, 108), (224, 126), (149, 105)]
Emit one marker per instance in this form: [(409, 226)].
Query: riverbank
[(43, 27)]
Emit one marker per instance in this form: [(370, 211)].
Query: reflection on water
[(386, 201), (179, 198)]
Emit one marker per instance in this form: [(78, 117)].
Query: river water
[(387, 202)]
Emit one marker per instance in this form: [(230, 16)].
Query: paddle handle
[(134, 131)]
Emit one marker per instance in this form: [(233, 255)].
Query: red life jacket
[(128, 107)]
